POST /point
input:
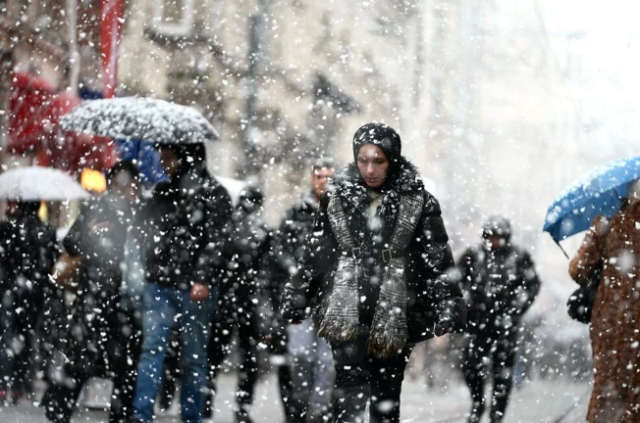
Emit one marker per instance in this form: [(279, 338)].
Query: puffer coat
[(325, 279), (500, 286), (188, 224)]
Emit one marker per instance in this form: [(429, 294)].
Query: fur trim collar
[(349, 185)]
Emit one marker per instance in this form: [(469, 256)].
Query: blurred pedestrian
[(500, 283), (613, 247), (373, 273), (308, 383), (104, 334), (237, 312), (188, 225), (28, 248)]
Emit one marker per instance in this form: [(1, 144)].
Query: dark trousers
[(236, 314), (20, 309), (118, 357), (500, 347), (360, 377), (278, 348)]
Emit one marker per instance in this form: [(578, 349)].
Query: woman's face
[(373, 165)]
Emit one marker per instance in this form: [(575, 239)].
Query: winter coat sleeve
[(291, 232), (318, 257), (272, 270), (437, 263), (216, 211), (49, 251), (270, 274), (464, 271), (590, 252), (529, 287), (76, 239), (6, 235)]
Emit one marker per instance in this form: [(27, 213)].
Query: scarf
[(388, 333)]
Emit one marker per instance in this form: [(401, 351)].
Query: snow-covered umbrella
[(36, 183), (140, 118)]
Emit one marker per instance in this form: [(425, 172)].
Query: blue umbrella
[(598, 192)]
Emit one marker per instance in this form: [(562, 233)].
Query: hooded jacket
[(499, 287), (187, 225)]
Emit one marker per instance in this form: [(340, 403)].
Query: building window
[(173, 17)]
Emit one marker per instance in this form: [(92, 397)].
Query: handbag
[(66, 270), (580, 303)]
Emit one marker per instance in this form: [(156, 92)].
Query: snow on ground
[(537, 402)]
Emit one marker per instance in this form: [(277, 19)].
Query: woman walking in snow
[(374, 275)]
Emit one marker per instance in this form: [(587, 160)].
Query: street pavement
[(536, 402)]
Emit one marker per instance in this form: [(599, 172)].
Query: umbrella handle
[(560, 246)]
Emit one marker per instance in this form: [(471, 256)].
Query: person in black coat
[(306, 376), (374, 275), (28, 248), (188, 224), (500, 283), (250, 248), (104, 334)]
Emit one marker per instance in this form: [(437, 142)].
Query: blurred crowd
[(156, 289)]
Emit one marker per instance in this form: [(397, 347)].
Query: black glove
[(452, 316)]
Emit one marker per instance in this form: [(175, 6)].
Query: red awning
[(35, 112), (29, 103)]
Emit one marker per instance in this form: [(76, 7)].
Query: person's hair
[(127, 166), (323, 162)]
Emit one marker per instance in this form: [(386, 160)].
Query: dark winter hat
[(497, 225), (387, 139), (381, 135)]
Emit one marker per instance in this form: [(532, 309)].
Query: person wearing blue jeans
[(188, 221), (163, 308)]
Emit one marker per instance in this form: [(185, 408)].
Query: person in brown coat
[(615, 322)]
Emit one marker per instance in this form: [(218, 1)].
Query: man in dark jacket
[(251, 246), (500, 283), (28, 248), (310, 366), (188, 223), (374, 275), (104, 334)]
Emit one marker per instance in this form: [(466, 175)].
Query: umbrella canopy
[(598, 192), (146, 119), (36, 183)]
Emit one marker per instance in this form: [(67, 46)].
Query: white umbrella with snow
[(36, 183), (140, 118)]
